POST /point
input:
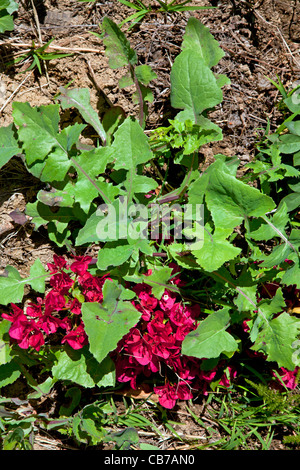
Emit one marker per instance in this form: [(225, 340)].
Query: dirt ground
[(260, 39)]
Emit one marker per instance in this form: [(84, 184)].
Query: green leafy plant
[(36, 55), (171, 233), (168, 7), (7, 8), (120, 55), (55, 157), (278, 158)]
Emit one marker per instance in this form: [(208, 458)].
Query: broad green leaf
[(80, 367), (80, 98), (297, 159), (294, 127), (42, 215), (9, 373), (124, 439), (210, 339), (198, 38), (276, 338), (112, 119), (6, 22), (107, 323), (245, 302), (109, 223), (158, 280), (89, 166), (215, 252), (292, 275), (231, 201), (56, 166), (277, 256), (222, 80), (38, 276), (90, 232), (178, 252), (38, 129), (278, 222), (113, 255), (197, 189), (289, 143), (126, 81), (193, 85), (137, 184), (292, 201), (7, 7), (145, 74), (118, 48), (11, 286), (287, 250), (5, 356), (43, 388), (130, 147), (56, 198), (8, 144), (58, 161), (293, 102), (201, 132), (270, 307), (74, 394), (10, 5)]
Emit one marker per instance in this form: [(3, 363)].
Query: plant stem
[(140, 95)]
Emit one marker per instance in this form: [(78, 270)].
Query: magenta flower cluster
[(60, 309), (154, 346), (151, 349)]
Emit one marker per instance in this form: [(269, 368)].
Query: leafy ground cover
[(164, 313)]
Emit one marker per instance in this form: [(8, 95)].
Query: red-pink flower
[(75, 307), (289, 377), (147, 300), (139, 348), (54, 301), (49, 323), (187, 368), (182, 323), (91, 286), (35, 310), (58, 264), (227, 377), (26, 333), (127, 371), (167, 395), (61, 282), (183, 391), (146, 314), (17, 312), (176, 279), (76, 338), (80, 266), (208, 375), (167, 300)]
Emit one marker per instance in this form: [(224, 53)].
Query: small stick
[(52, 46), (15, 92)]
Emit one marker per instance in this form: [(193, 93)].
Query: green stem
[(140, 95)]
